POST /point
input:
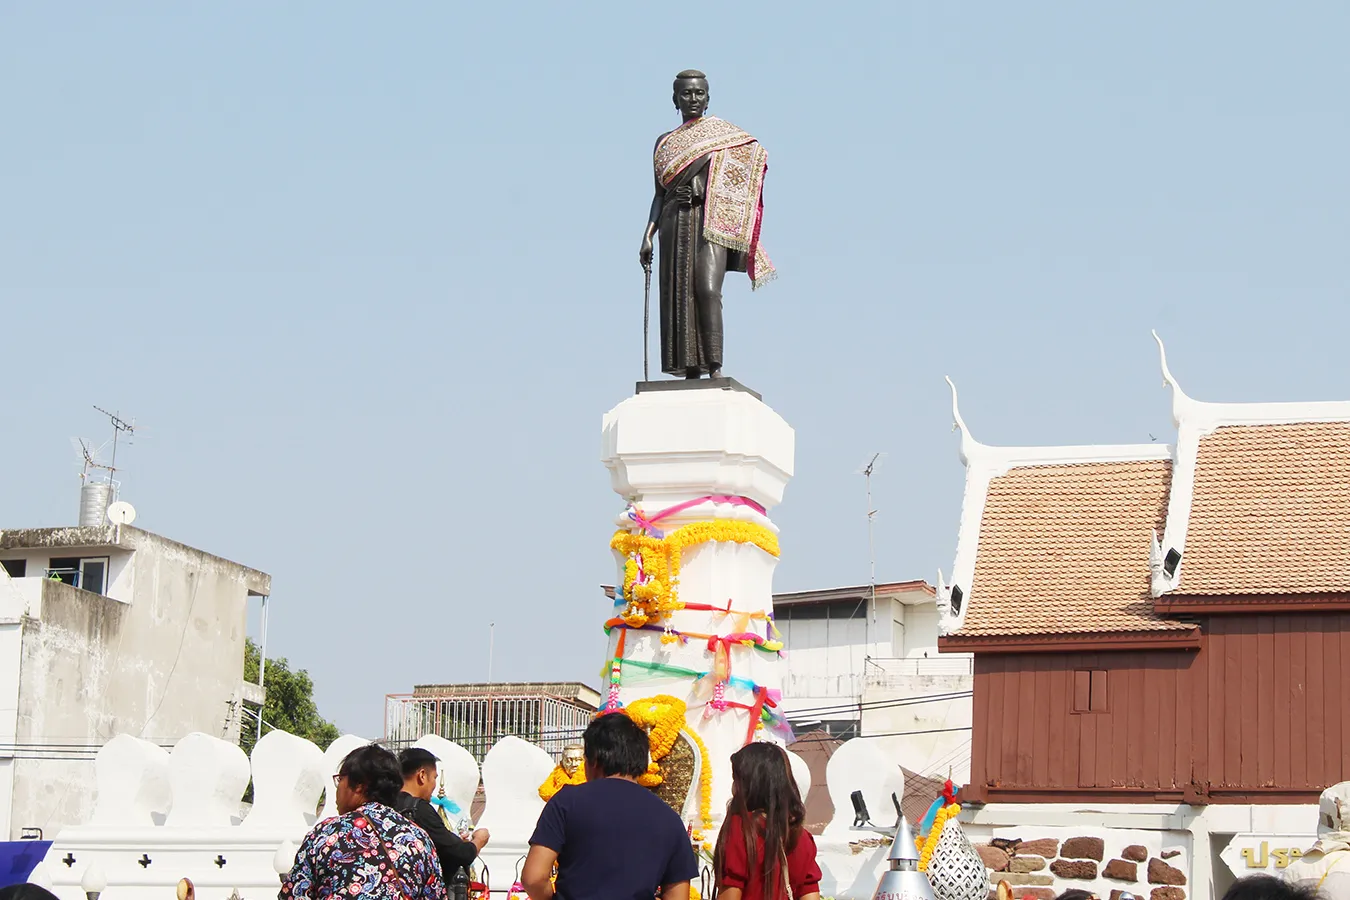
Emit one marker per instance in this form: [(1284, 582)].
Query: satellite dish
[(121, 513)]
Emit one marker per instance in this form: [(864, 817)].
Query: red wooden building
[(1155, 624)]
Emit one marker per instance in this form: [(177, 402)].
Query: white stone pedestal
[(666, 448)]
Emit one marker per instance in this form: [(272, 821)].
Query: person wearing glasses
[(367, 850)]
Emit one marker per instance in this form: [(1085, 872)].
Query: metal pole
[(262, 666), (646, 316), (492, 627)]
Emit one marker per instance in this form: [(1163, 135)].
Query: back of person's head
[(375, 770), (615, 745), (415, 759), (1078, 894), (763, 791), (761, 779), (1268, 887), (26, 892)]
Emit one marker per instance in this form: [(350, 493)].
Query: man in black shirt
[(419, 783), (583, 824)]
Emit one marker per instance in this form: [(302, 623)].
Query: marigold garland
[(704, 789), (651, 573), (662, 716), (559, 779), (928, 845)]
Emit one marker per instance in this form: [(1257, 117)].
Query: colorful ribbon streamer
[(648, 523), (766, 700), (746, 639)]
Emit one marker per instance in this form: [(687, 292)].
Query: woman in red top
[(762, 837)]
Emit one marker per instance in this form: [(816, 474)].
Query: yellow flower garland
[(558, 779), (658, 596), (926, 847), (662, 717), (704, 788)]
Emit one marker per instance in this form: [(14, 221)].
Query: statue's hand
[(645, 254)]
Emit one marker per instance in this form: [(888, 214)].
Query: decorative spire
[(968, 443), (902, 848), (903, 879), (1179, 398)]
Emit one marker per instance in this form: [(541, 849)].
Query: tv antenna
[(91, 457), (867, 472), (119, 426)]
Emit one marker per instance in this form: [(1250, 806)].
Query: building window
[(85, 573), (1089, 691), (15, 568), (835, 610)]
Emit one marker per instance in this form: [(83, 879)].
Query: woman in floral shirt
[(368, 850)]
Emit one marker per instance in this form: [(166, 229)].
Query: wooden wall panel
[(1042, 744), (1258, 711)]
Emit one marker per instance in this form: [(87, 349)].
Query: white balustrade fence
[(163, 816)]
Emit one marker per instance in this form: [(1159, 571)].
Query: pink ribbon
[(648, 523)]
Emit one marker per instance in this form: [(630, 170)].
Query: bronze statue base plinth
[(696, 384)]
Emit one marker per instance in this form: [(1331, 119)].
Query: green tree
[(289, 705)]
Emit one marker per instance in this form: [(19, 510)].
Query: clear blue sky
[(366, 275)]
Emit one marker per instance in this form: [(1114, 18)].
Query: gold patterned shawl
[(734, 205)]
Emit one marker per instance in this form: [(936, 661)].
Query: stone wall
[(1110, 863)]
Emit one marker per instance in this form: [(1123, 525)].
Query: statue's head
[(572, 758), (691, 93)]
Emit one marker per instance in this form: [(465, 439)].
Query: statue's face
[(691, 96), (571, 760)]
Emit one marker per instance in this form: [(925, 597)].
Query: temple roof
[(1270, 511), (1251, 501), (1064, 549)]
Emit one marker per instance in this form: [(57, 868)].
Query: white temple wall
[(162, 816)]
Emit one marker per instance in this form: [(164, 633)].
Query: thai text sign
[(1248, 854)]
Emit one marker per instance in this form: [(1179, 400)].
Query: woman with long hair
[(763, 852)]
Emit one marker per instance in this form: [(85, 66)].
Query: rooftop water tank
[(94, 499)]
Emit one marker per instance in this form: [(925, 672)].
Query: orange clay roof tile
[(1064, 549), (1270, 511)]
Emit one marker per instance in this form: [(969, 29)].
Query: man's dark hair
[(26, 892), (414, 759), (616, 745), (1075, 894), (376, 769), (1268, 887)]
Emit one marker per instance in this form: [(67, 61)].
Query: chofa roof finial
[(968, 443), (1179, 398)]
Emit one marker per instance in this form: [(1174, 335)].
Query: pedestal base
[(695, 384), (703, 453)]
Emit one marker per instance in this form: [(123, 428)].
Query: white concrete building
[(868, 666), (107, 630)]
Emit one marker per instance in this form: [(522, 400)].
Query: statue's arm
[(653, 216)]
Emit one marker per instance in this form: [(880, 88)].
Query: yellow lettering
[(1281, 858), (1249, 854)]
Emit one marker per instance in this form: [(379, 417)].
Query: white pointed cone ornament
[(903, 881), (955, 869)]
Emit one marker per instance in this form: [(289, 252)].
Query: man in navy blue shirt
[(611, 837)]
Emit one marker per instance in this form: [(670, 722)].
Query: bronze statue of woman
[(707, 209)]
